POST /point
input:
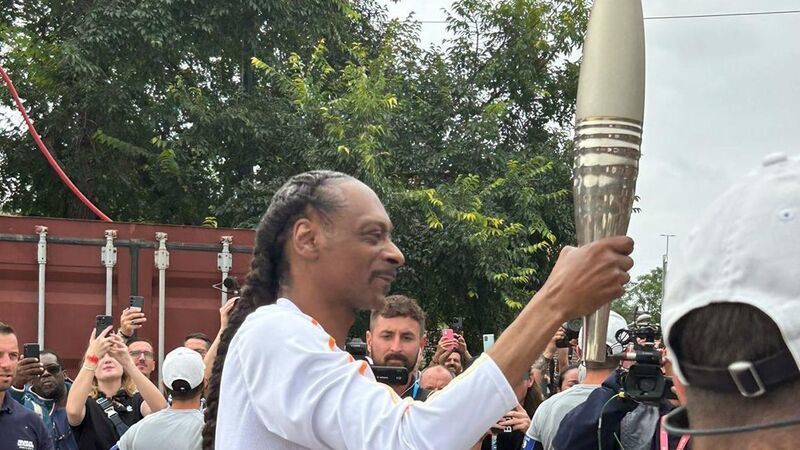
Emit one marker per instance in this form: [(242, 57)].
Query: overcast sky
[(721, 93)]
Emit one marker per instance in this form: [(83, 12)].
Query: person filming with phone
[(451, 352), (109, 394), (40, 385)]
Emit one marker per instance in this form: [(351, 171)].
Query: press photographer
[(625, 412), (548, 418), (395, 339)]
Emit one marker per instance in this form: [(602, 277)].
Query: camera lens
[(647, 384)]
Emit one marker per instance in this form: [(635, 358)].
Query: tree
[(175, 111), (642, 295), (99, 79)]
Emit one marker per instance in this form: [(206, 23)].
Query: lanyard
[(414, 389), (665, 440)]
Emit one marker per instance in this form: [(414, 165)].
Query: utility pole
[(664, 261)]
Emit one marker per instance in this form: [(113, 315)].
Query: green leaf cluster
[(188, 112)]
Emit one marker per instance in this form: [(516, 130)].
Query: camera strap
[(108, 407), (665, 438)]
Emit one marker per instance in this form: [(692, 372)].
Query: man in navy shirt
[(22, 428)]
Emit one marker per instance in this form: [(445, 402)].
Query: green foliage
[(194, 113), (643, 295)]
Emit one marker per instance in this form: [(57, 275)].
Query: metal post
[(108, 257), (664, 262), (224, 263), (41, 257), (162, 263)]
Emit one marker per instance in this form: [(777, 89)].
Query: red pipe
[(52, 161)]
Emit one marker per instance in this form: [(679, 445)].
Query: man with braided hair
[(323, 251)]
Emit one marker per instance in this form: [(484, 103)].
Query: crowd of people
[(277, 375), (112, 401)]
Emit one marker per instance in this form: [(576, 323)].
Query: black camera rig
[(644, 381)]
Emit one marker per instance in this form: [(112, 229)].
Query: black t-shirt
[(505, 441), (97, 432)]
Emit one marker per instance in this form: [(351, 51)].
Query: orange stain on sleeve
[(332, 343), (314, 322), (363, 369)]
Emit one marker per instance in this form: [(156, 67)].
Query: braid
[(268, 266)]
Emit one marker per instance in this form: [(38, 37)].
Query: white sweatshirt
[(288, 386)]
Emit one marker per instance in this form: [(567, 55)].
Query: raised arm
[(582, 280), (153, 400), (82, 385), (211, 354)]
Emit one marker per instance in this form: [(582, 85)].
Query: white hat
[(615, 323), (744, 249), (183, 364)]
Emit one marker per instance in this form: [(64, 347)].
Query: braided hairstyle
[(290, 203)]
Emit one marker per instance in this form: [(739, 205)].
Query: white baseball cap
[(615, 323), (744, 249), (183, 364)]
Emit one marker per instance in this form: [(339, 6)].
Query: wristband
[(90, 369), (92, 359)]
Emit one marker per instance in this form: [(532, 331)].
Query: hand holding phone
[(29, 367), (132, 317), (448, 334)]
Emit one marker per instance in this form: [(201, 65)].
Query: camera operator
[(731, 316), (549, 415), (396, 337)]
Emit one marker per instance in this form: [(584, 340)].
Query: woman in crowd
[(109, 394)]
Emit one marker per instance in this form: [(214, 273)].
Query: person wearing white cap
[(180, 426), (731, 316), (549, 414)]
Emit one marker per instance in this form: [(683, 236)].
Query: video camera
[(571, 330), (644, 382), (391, 375)]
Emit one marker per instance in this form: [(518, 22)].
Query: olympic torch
[(608, 131)]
